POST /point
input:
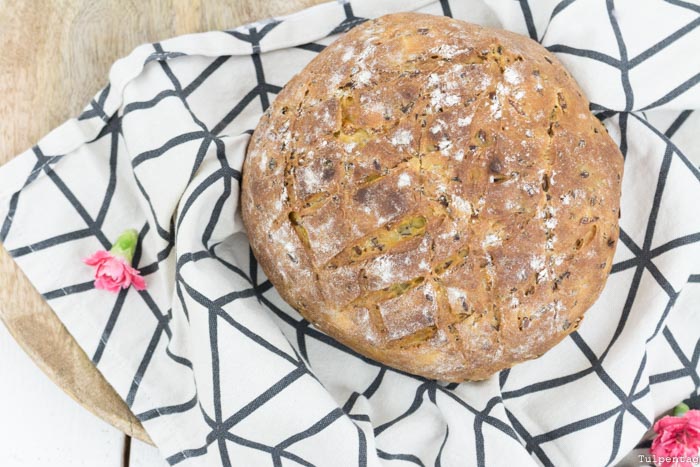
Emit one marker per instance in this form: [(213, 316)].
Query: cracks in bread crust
[(452, 194)]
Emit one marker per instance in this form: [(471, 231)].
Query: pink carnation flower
[(112, 272), (677, 437), (113, 269)]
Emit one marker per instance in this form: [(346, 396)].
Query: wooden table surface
[(56, 56)]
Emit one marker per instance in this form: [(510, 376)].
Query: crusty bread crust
[(435, 195)]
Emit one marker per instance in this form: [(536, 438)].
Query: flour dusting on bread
[(435, 195)]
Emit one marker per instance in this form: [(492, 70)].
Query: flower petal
[(97, 257), (677, 436), (114, 268), (105, 283), (139, 282)]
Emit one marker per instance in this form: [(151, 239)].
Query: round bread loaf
[(435, 195)]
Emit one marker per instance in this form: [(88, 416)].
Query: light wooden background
[(55, 56)]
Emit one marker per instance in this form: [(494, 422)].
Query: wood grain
[(56, 56)]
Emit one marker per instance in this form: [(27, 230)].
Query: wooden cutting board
[(56, 56)]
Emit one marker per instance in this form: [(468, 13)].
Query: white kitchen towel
[(222, 372)]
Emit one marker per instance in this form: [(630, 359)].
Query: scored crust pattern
[(435, 195)]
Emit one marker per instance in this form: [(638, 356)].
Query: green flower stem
[(680, 410), (125, 246)]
